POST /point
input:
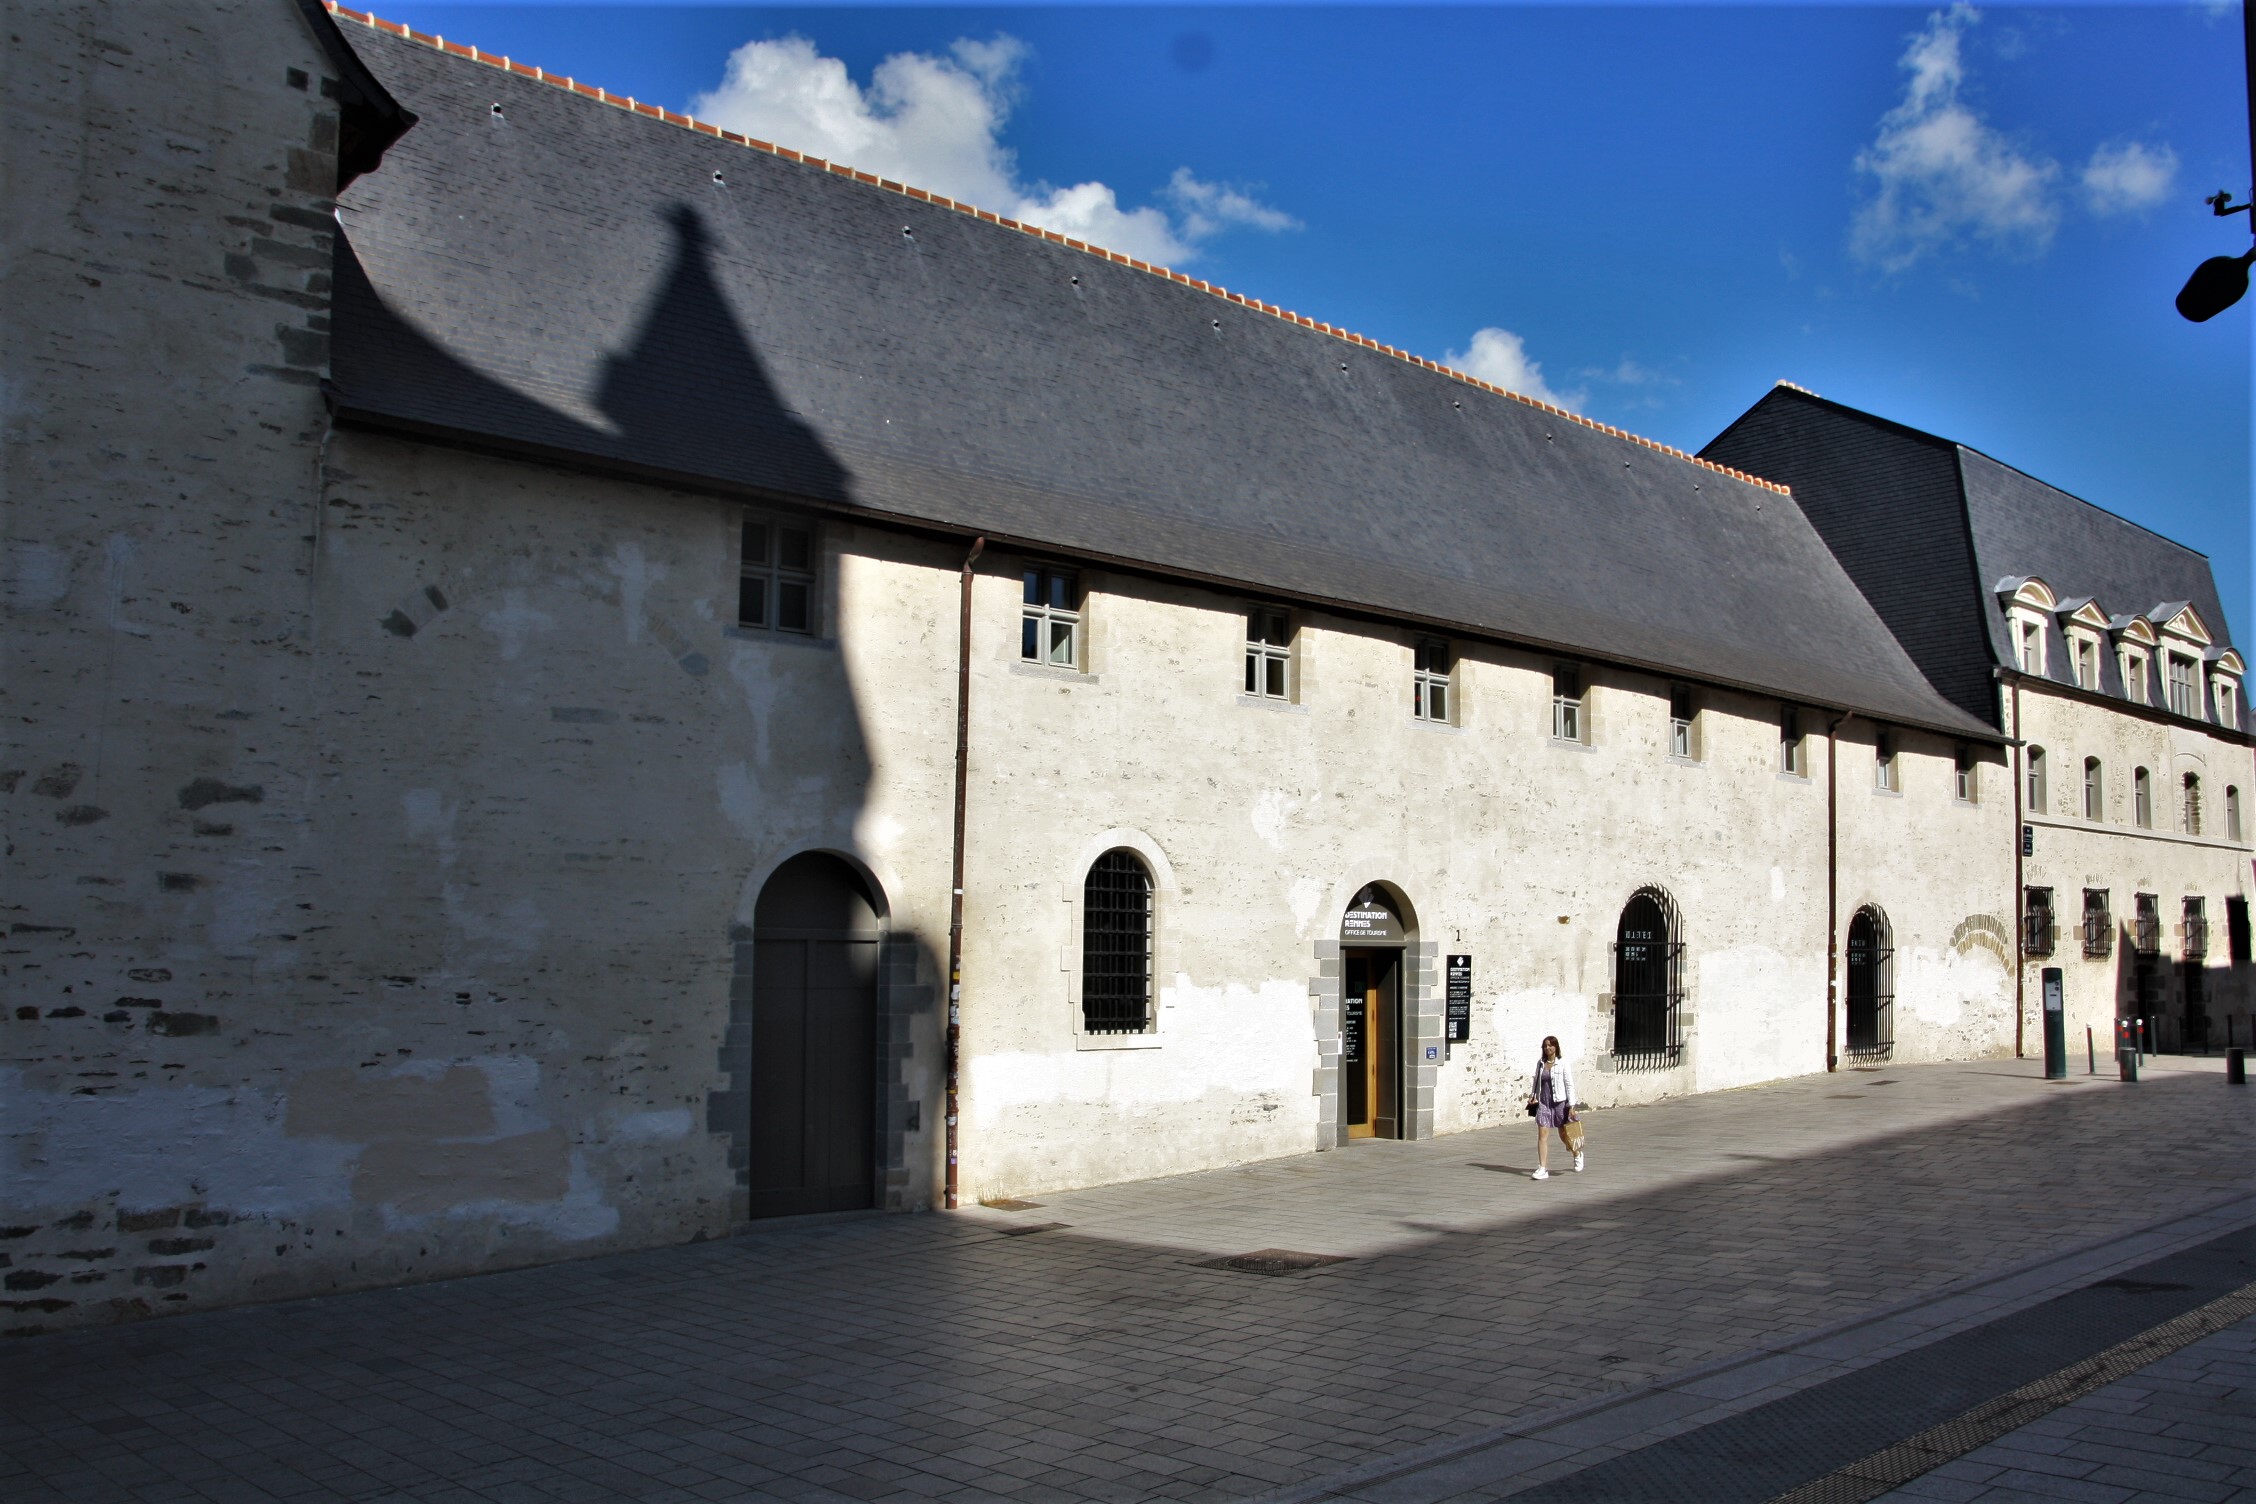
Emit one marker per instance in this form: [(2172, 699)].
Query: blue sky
[(1971, 220)]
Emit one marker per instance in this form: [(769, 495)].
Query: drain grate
[(1272, 1261)]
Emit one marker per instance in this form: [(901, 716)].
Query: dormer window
[(2030, 644), (2184, 684), (2087, 663), (2134, 677), (2228, 704)]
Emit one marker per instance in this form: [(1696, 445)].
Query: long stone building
[(577, 681)]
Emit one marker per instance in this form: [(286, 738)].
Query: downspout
[(1833, 892), (956, 859), (2020, 951)]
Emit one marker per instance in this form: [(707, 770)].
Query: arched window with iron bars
[(1116, 945)]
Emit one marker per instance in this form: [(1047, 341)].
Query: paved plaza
[(1468, 1332)]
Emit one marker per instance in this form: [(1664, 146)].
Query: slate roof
[(1933, 532), (564, 278)]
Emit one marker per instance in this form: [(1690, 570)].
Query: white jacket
[(1562, 1082)]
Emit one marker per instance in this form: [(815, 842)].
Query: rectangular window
[(2196, 928), (2095, 791), (2147, 935), (2189, 812), (1268, 666), (2228, 705), (2034, 764), (2134, 677), (1964, 786), (1568, 723), (2183, 700), (1429, 680), (2099, 924), (2036, 921), (1884, 764), (2142, 799), (2032, 647), (775, 585), (2232, 814), (1682, 741), (2087, 663), (1050, 628), (1792, 760), (2236, 930)]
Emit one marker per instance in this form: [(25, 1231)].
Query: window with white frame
[(2095, 790), (2030, 640), (775, 586), (1965, 786), (2232, 813), (2185, 695), (2034, 763), (2189, 805), (1684, 739), (1429, 680), (2142, 799), (2134, 677), (1885, 773), (2228, 704), (1793, 750), (1050, 624), (1568, 722), (1268, 663), (2087, 663)]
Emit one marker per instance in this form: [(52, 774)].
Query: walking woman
[(1553, 1107)]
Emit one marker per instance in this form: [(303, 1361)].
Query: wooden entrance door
[(1370, 1035), (813, 1122)]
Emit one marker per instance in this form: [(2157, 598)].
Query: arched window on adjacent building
[(2095, 791), (2036, 780), (1872, 985), (2142, 799), (1116, 945), (2232, 813), (2189, 815), (1648, 978)]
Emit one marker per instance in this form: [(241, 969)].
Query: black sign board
[(1459, 976), (1351, 1031), (1369, 921), (2028, 840)]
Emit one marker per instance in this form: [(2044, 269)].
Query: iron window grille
[(2196, 929), (1964, 786), (1872, 989), (1050, 630), (2099, 924), (2183, 700), (1648, 964), (1790, 745), (2142, 799), (1116, 946), (2036, 779), (2036, 922), (1429, 680), (2095, 790), (2191, 811), (1884, 764), (2146, 931), (1681, 711), (1268, 665), (1567, 721), (776, 577)]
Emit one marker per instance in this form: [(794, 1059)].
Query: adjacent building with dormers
[(578, 681), (2101, 649)]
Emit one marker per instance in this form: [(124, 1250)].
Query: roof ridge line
[(704, 128)]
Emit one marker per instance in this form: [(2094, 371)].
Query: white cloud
[(1499, 357), (937, 122), (2128, 176), (1944, 174)]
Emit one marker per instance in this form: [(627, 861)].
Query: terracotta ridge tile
[(886, 185)]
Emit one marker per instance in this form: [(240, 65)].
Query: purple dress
[(1549, 1112)]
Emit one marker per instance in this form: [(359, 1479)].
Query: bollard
[(2236, 1067), (2091, 1053), (2130, 1063)]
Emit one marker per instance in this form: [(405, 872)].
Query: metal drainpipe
[(956, 861), (1832, 892), (2020, 957)]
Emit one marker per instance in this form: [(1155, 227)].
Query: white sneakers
[(1540, 1174), (1578, 1164)]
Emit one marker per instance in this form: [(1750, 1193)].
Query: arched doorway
[(1872, 988), (1372, 937), (813, 1098), (1648, 977)]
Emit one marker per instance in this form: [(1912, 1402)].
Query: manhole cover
[(1272, 1261), (1010, 1204)]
